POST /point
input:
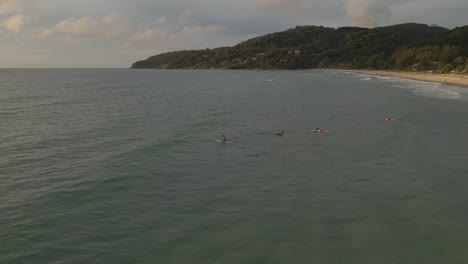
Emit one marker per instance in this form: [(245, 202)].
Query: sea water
[(123, 166)]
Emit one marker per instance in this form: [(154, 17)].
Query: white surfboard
[(221, 142)]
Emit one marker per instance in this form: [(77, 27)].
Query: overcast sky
[(115, 33)]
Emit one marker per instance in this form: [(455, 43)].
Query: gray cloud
[(367, 13), (9, 6), (84, 28), (179, 33), (292, 8)]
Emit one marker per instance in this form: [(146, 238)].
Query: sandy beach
[(420, 76)]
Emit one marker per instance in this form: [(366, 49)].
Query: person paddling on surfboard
[(223, 141), (320, 130), (280, 134), (389, 119)]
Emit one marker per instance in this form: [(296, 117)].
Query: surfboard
[(221, 142)]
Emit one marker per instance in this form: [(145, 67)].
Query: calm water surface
[(122, 166)]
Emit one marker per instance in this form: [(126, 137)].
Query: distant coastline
[(403, 47), (454, 79)]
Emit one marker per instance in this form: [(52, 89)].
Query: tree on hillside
[(448, 54)]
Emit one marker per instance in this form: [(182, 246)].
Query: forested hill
[(404, 46)]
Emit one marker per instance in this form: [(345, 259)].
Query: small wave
[(435, 90), (383, 77), (366, 77), (363, 76)]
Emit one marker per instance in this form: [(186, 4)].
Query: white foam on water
[(435, 90), (383, 77), (349, 73), (365, 77), (421, 88)]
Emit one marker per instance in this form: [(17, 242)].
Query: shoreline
[(460, 80)]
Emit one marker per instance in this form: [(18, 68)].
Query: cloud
[(165, 36), (9, 6), (293, 8), (182, 33), (366, 13), (16, 6), (186, 17), (15, 23), (88, 28)]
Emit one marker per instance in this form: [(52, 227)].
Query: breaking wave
[(435, 90)]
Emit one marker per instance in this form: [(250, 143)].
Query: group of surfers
[(316, 130)]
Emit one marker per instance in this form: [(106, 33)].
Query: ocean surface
[(122, 166)]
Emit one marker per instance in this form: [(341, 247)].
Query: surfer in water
[(389, 119), (280, 134), (320, 130), (224, 140)]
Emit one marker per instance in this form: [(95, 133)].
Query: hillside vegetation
[(403, 47)]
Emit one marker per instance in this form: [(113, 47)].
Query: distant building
[(433, 66)]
